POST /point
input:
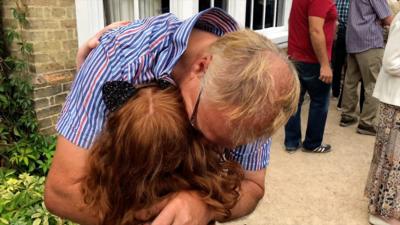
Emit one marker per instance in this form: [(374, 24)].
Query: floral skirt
[(383, 185)]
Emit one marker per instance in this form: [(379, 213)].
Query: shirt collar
[(214, 20)]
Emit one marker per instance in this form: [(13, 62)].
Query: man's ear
[(201, 64)]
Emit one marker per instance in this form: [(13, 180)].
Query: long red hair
[(148, 150)]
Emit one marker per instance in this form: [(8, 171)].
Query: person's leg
[(370, 63), (350, 96), (319, 104), (383, 181), (338, 60), (293, 126), (362, 96), (339, 104)]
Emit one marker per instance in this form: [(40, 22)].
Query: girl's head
[(148, 150)]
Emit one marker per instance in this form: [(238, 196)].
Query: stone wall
[(52, 32)]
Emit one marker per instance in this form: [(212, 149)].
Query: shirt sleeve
[(83, 113), (319, 8), (254, 156), (391, 58), (381, 8)]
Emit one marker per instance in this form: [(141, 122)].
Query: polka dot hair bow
[(117, 93)]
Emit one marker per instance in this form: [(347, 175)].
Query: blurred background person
[(312, 26), (364, 43)]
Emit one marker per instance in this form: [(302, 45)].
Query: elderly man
[(364, 41), (311, 31), (236, 85)]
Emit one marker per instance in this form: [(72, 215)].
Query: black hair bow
[(116, 93)]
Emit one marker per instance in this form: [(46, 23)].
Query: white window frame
[(90, 17), (278, 35)]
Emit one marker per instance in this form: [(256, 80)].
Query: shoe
[(323, 148), (292, 149), (367, 130), (346, 121), (376, 220)]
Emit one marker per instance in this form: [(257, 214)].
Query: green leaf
[(36, 215), (46, 220), (26, 161), (37, 221), (3, 99), (4, 221), (16, 132), (14, 13)]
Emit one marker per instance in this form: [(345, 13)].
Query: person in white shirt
[(383, 183)]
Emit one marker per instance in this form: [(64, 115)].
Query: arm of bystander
[(391, 58), (318, 41)]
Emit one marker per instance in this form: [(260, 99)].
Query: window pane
[(279, 13), (205, 4), (117, 10), (269, 14), (264, 9)]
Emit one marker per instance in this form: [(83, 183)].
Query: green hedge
[(21, 201)]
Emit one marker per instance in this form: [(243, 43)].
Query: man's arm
[(318, 41), (92, 43), (391, 58), (252, 191), (62, 194), (188, 208)]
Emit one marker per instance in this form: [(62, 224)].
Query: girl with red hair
[(148, 151)]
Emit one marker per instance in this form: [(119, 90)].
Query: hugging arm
[(62, 190), (188, 208), (92, 43)]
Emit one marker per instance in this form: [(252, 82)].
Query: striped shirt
[(364, 30), (141, 52), (342, 7)]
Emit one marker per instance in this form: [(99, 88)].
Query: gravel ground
[(317, 189)]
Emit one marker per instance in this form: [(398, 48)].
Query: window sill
[(278, 35)]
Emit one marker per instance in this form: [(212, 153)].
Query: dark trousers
[(339, 57), (338, 60), (318, 112)]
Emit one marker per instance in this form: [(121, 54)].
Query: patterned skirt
[(383, 185)]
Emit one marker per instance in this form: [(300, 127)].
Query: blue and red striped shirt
[(141, 52)]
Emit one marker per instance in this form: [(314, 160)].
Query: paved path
[(317, 189)]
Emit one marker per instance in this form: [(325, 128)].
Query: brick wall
[(52, 32)]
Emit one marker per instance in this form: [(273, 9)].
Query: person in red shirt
[(312, 24)]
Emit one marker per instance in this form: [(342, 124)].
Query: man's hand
[(183, 208), (92, 43), (326, 74)]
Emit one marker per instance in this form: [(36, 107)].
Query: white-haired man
[(237, 89)]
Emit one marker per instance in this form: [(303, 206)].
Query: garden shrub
[(21, 200), (25, 154)]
